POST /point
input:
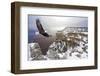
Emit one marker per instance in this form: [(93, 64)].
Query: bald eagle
[(40, 28)]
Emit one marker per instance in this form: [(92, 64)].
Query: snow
[(60, 49)]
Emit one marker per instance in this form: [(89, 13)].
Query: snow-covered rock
[(62, 48), (35, 52), (56, 50)]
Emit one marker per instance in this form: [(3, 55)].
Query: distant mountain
[(75, 29)]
